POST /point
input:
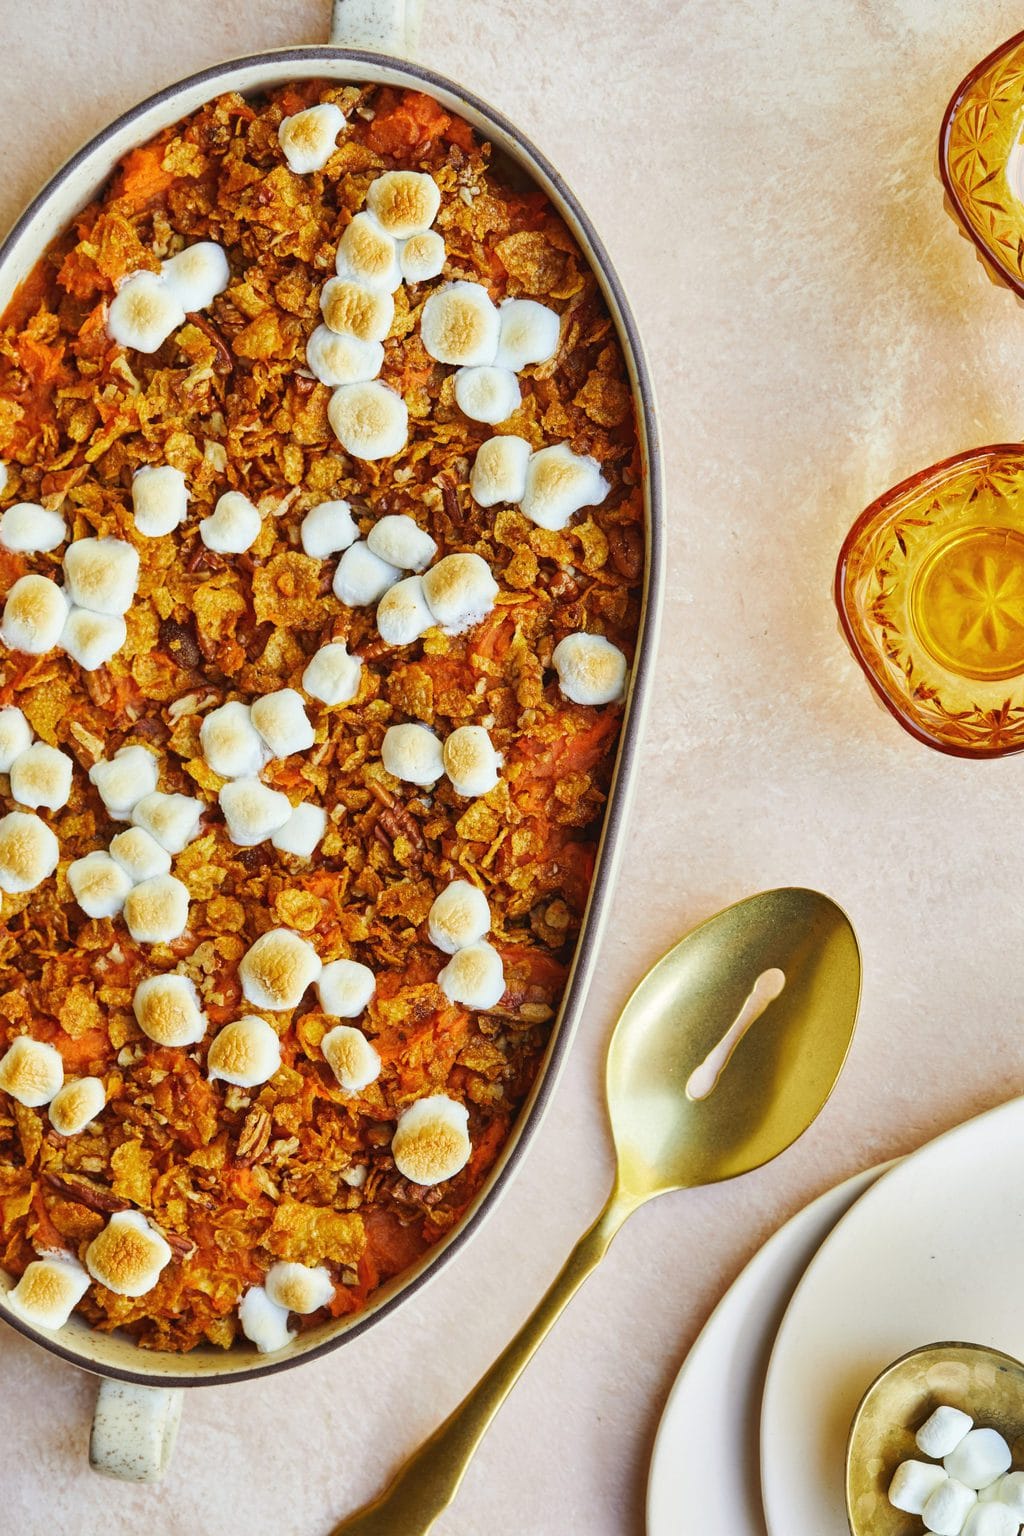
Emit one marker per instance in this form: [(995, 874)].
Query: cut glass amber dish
[(930, 592)]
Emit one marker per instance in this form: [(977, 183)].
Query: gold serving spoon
[(696, 1094)]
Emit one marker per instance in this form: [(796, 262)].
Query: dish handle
[(382, 26), (133, 1430)]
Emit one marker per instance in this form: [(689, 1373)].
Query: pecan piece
[(254, 1136)]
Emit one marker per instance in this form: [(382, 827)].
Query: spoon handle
[(429, 1480)]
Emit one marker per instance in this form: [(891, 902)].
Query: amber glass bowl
[(930, 592)]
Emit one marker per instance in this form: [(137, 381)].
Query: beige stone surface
[(764, 175)]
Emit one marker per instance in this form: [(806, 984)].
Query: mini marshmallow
[(99, 884), (35, 612), (431, 1142), (15, 736), (990, 1519), (354, 1177), (913, 1484), (156, 911), (159, 499), (400, 541), (363, 577), (139, 855), (299, 1287), (172, 819), (335, 359), (263, 1323), (246, 1053), (529, 334), (167, 1010), (302, 832), (947, 1508), (558, 483), (942, 1432), (368, 254), (76, 1105), (405, 203), (144, 312), (345, 988), (282, 722), (309, 138), (369, 420), (1010, 1491), (355, 309), (332, 675), (474, 976), (125, 779), (460, 325), (277, 969), (31, 1071), (403, 613), (328, 528), (29, 529), (487, 394), (101, 574), (41, 776), (591, 670), (981, 1456), (233, 526), (231, 744), (128, 1255), (252, 811), (460, 916), (48, 1291), (28, 852), (499, 470), (421, 257), (470, 761), (413, 753), (91, 639), (197, 275), (350, 1056), (460, 590)]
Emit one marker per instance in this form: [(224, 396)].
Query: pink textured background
[(763, 176)]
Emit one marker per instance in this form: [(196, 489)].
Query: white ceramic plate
[(934, 1251), (705, 1468)]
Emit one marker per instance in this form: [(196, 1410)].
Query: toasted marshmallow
[(277, 969), (345, 988), (282, 722), (252, 811), (159, 499), (460, 590), (34, 615), (28, 852), (298, 1287), (245, 1053), (302, 832), (474, 976), (101, 574), (15, 736), (263, 1323), (28, 529), (499, 471), (591, 670), (363, 577), (309, 138), (412, 753), (144, 312), (355, 309), (231, 743), (332, 675), (99, 884), (470, 761), (404, 203), (459, 917), (487, 394), (529, 334), (76, 1105), (128, 1255), (403, 613), (558, 483), (48, 1291), (369, 420), (172, 819), (125, 779), (351, 1057), (421, 257), (41, 776), (400, 541), (92, 639), (156, 911), (368, 254), (168, 1012), (328, 528), (31, 1071), (233, 526), (139, 855), (335, 359), (197, 274), (431, 1142), (460, 325)]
